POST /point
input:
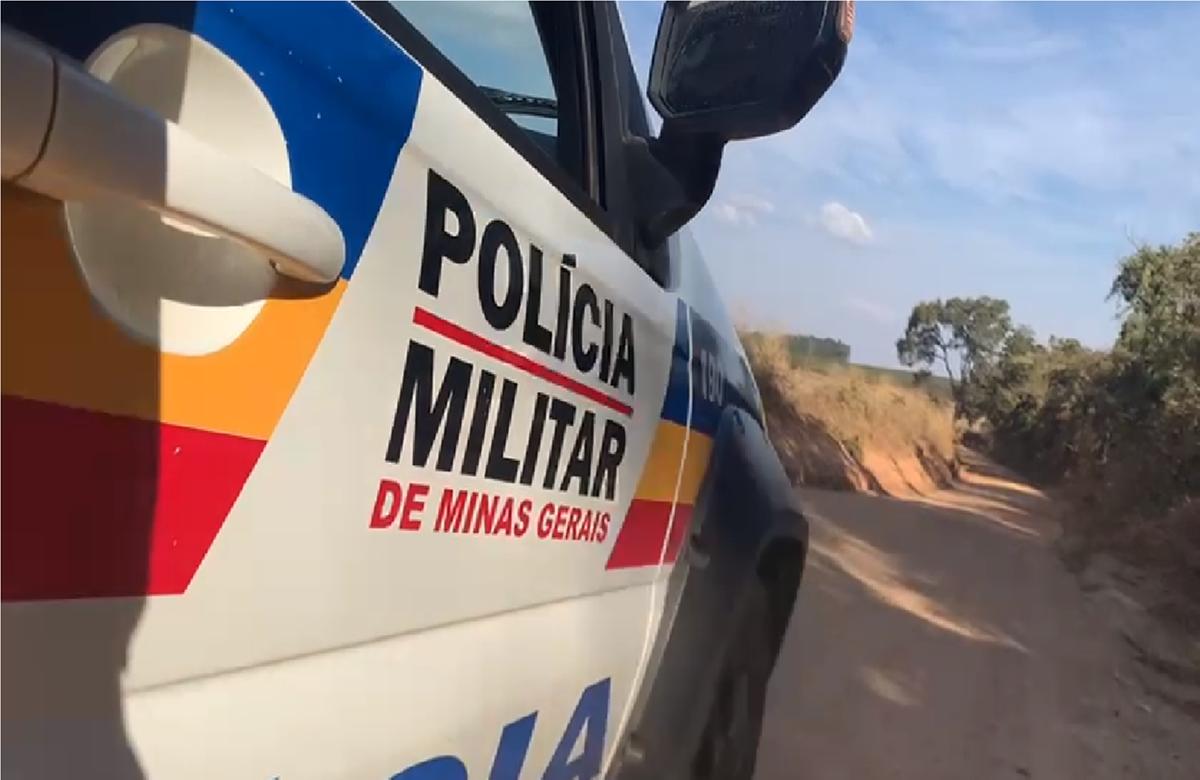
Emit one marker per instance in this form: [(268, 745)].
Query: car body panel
[(255, 551)]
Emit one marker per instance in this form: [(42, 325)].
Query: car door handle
[(71, 136)]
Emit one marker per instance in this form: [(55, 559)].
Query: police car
[(367, 410)]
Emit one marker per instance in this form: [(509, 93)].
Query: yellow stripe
[(662, 468), (662, 464), (695, 466)]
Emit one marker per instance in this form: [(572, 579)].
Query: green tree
[(1159, 289), (804, 348), (968, 332), (1020, 347), (998, 387), (1122, 425)]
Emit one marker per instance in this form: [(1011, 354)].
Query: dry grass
[(840, 426)]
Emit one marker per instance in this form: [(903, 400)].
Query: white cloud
[(742, 209), (1014, 52), (994, 33), (845, 224), (871, 310), (1011, 111), (727, 213)]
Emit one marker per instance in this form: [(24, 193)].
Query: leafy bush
[(805, 348), (1125, 422)]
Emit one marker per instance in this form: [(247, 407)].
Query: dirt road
[(942, 637)]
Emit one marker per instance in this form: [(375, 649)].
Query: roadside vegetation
[(1117, 430), (826, 356), (848, 427)]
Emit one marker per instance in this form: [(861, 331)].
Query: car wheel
[(730, 742)]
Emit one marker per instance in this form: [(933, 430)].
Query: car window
[(499, 47)]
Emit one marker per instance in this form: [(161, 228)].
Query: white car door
[(406, 524)]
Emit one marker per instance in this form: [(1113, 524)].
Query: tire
[(729, 746)]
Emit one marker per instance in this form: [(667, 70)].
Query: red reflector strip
[(646, 527), (477, 343), (640, 540), (95, 505)]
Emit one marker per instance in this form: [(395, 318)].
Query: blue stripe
[(344, 93), (675, 401)]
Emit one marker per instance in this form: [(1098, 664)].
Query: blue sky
[(1013, 150)]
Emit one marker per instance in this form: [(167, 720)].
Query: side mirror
[(726, 70), (746, 69)]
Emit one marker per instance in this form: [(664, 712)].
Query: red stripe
[(640, 540), (95, 505), (678, 532), (466, 338)]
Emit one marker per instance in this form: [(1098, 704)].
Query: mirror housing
[(727, 70), (746, 69)]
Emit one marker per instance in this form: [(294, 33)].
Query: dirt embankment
[(842, 429)]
